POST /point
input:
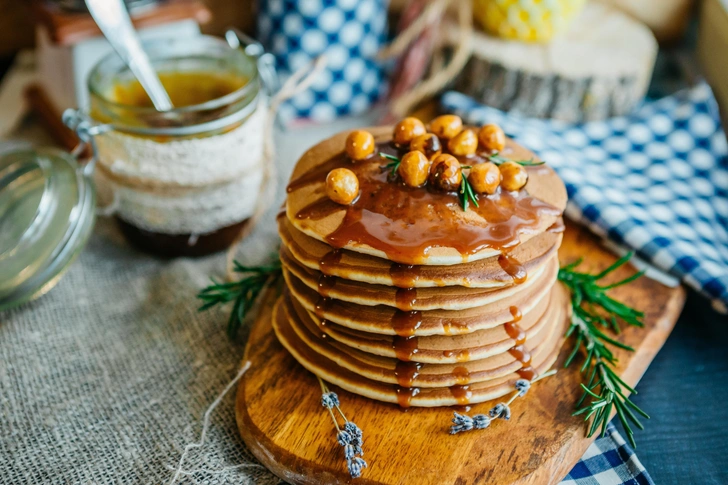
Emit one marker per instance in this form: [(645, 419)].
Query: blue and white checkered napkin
[(608, 461), (655, 181)]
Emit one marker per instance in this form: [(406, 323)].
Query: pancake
[(484, 273), (443, 349), (419, 299), (448, 349), (413, 374), (335, 374), (416, 225), (385, 320)]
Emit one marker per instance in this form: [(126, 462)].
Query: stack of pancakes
[(378, 302)]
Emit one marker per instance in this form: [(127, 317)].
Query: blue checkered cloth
[(349, 33), (608, 461), (655, 181)]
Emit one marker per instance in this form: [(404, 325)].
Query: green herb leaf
[(243, 293), (392, 166), (466, 193), (591, 309), (498, 160)]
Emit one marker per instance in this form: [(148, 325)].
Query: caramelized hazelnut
[(342, 186), (463, 144), (407, 129), (492, 138), (359, 145), (428, 144), (414, 168), (446, 126), (484, 178), (514, 176), (445, 173)]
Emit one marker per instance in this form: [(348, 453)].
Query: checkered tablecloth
[(608, 461), (655, 181)]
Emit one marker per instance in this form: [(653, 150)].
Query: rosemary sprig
[(593, 312), (467, 194), (244, 292), (498, 160), (392, 166)]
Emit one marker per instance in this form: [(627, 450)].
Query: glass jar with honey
[(182, 182)]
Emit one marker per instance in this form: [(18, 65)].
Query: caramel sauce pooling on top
[(407, 222)]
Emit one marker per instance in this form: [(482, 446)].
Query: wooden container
[(713, 49)]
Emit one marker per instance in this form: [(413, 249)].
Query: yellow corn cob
[(526, 20)]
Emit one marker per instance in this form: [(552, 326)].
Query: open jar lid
[(47, 207)]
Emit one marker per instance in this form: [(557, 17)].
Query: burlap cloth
[(106, 378)]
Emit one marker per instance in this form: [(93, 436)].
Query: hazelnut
[(407, 129), (463, 144), (445, 173), (492, 138), (342, 186), (446, 126), (414, 168), (514, 176), (428, 144), (359, 145), (484, 178)]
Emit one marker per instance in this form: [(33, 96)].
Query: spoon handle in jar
[(113, 19)]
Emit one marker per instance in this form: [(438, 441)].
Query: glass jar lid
[(47, 207)]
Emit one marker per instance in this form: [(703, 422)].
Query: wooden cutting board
[(280, 417)]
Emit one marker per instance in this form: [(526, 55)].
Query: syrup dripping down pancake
[(335, 374), (484, 273), (411, 373), (418, 226), (413, 299), (386, 320), (438, 349)]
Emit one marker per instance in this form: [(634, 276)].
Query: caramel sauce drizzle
[(406, 323), (461, 375), (404, 275), (405, 347), (460, 355), (406, 298), (405, 395), (406, 222), (519, 350), (461, 393), (326, 283), (513, 268), (322, 306), (407, 372), (330, 261)]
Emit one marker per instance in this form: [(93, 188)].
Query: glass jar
[(182, 182), (47, 203)]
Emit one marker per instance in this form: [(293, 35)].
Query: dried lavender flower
[(522, 386), (353, 429), (355, 466), (481, 421), (329, 400), (501, 410), (461, 422), (343, 438), (349, 452)]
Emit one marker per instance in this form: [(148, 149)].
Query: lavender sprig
[(501, 410), (349, 436)]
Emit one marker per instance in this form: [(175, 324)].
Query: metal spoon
[(113, 19)]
